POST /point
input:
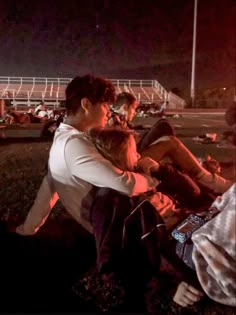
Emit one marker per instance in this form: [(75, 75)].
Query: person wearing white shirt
[(76, 169), (75, 166)]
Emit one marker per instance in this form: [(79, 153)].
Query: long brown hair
[(113, 144)]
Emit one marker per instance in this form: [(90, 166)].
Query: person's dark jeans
[(161, 128), (182, 188), (177, 184)]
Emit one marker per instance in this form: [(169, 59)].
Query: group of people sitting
[(104, 170), (38, 115)]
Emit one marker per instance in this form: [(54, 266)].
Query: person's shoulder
[(65, 128), (68, 132)]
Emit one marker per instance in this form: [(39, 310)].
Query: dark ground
[(37, 272)]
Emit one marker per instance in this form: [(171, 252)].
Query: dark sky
[(131, 39)]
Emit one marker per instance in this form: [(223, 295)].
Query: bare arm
[(45, 200)]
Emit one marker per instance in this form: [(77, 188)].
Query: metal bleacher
[(30, 91)]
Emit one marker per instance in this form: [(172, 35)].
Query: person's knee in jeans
[(176, 183), (161, 128)]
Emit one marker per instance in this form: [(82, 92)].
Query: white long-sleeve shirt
[(75, 169)]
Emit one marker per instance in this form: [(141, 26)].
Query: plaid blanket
[(214, 252)]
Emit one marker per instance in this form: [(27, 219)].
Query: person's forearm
[(45, 200), (88, 164)]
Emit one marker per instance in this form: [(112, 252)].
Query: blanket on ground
[(214, 252)]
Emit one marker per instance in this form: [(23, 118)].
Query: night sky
[(129, 39)]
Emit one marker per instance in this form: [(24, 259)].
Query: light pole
[(235, 82), (192, 92)]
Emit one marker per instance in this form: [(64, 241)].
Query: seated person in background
[(13, 117), (228, 137), (33, 119), (51, 126), (41, 107), (160, 142), (125, 107), (230, 118), (41, 112), (163, 107)]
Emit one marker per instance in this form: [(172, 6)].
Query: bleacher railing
[(32, 90)]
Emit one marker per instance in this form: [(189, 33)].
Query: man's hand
[(147, 165), (187, 295), (21, 231)]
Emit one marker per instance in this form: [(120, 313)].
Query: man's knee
[(161, 128), (170, 141), (174, 143)]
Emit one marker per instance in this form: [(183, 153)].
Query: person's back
[(71, 195)]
